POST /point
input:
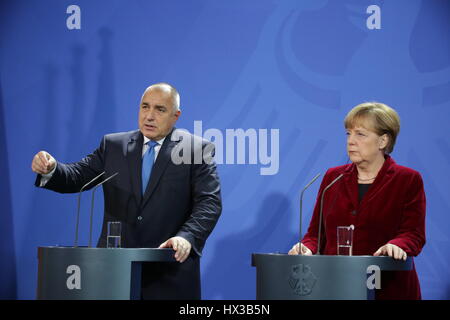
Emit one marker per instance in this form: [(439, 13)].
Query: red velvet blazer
[(391, 211)]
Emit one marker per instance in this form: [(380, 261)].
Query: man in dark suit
[(167, 192)]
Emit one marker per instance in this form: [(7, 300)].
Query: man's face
[(156, 114)]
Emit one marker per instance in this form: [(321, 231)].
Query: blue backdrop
[(293, 68)]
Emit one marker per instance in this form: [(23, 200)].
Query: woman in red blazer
[(383, 200)]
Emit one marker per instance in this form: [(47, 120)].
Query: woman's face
[(364, 145)]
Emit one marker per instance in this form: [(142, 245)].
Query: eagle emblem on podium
[(301, 279)]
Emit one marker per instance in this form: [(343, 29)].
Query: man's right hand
[(43, 163)]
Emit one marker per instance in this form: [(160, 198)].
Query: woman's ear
[(383, 141)]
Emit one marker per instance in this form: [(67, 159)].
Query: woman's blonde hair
[(381, 118)]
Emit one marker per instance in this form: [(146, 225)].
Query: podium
[(82, 273), (297, 277)]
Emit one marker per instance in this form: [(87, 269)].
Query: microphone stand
[(301, 203), (321, 209), (92, 206), (78, 209)]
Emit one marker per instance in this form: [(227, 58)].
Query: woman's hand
[(391, 250), (299, 248)]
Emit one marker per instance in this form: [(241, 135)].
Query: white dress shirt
[(157, 147)]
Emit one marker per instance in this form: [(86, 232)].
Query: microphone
[(301, 202), (78, 209), (92, 205), (321, 209)]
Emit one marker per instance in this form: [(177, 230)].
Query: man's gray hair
[(171, 90)]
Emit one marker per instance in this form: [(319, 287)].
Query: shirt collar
[(160, 142)]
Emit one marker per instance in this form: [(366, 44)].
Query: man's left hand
[(180, 245)]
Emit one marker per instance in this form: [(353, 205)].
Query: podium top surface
[(383, 262), (130, 254)]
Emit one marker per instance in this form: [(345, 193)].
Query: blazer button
[(353, 212), (139, 218)]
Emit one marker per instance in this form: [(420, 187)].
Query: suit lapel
[(351, 185), (383, 177), (159, 166), (134, 160)]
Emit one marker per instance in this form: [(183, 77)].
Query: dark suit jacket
[(392, 211), (180, 200)]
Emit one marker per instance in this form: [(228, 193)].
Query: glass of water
[(114, 234), (345, 240)]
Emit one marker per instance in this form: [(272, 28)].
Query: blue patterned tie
[(147, 163)]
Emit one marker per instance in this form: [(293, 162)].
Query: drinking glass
[(114, 234), (345, 240)]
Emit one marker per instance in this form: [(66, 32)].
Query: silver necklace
[(366, 179)]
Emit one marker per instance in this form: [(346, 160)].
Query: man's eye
[(161, 109)]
